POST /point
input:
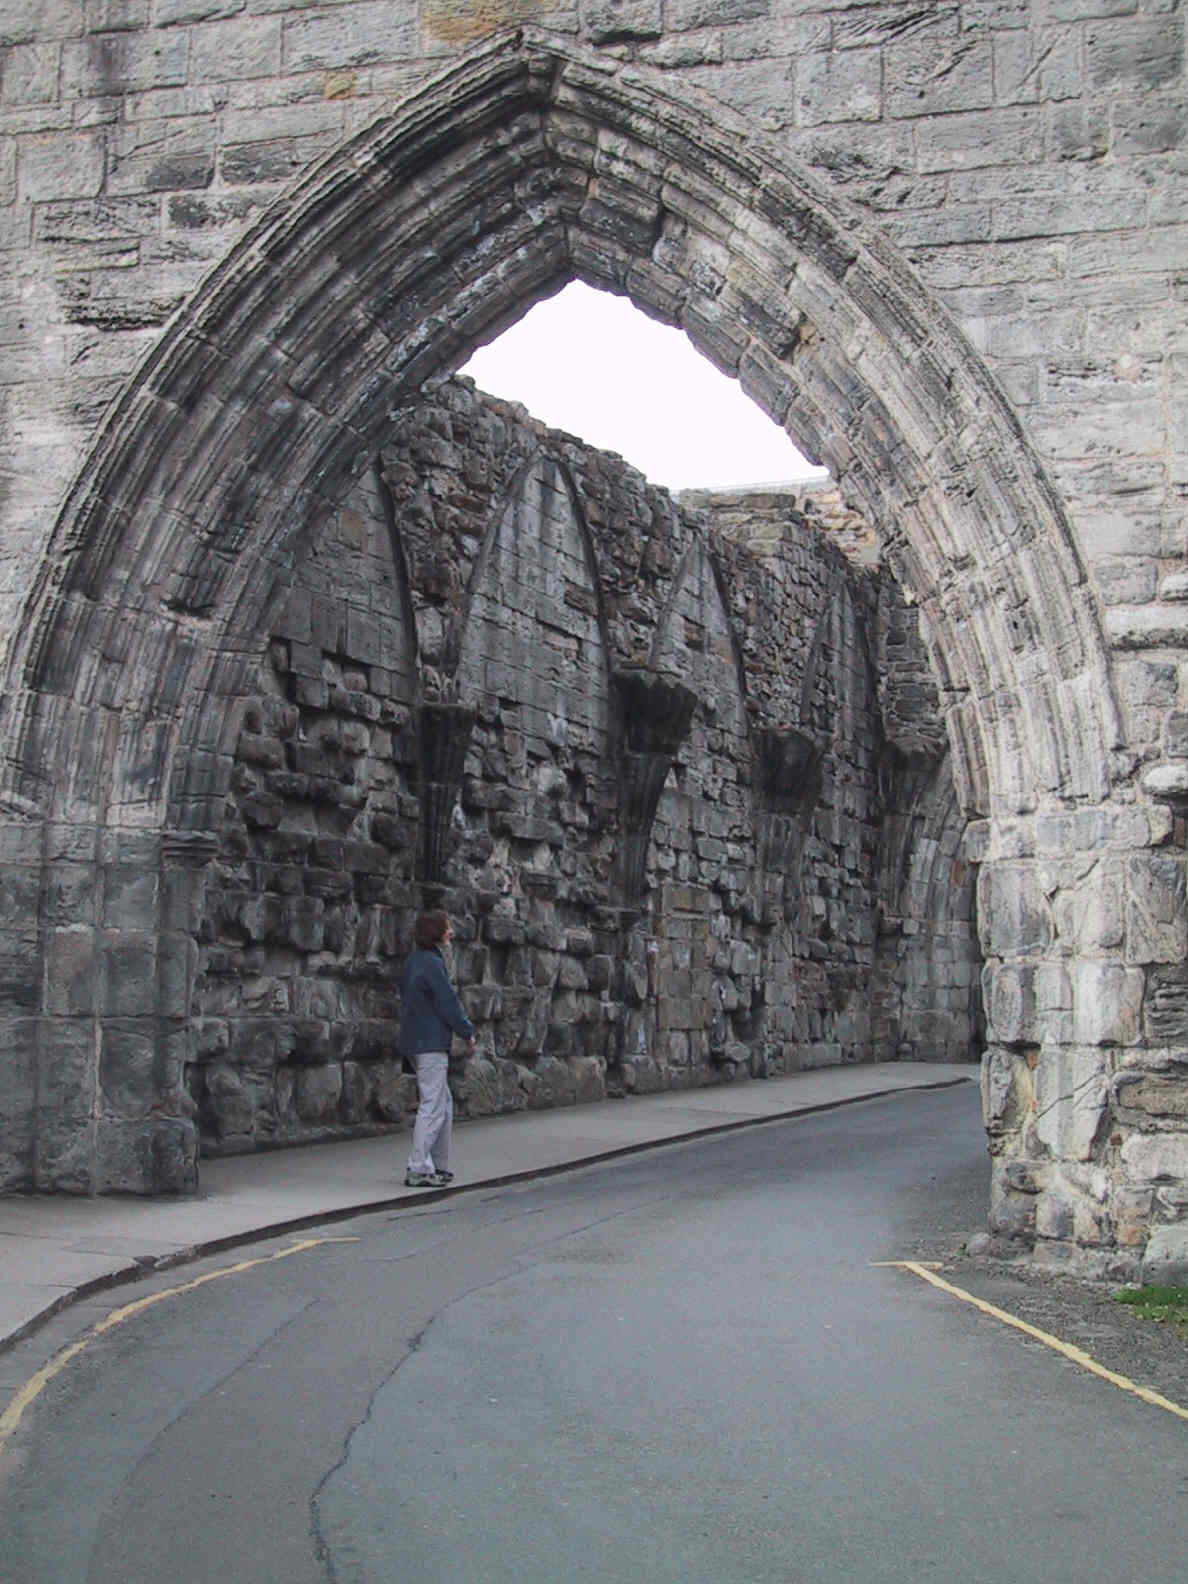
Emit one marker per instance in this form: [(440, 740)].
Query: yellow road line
[(36, 1384), (1069, 1350)]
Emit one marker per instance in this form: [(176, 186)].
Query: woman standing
[(430, 1014)]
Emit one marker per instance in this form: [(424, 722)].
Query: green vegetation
[(1158, 1303)]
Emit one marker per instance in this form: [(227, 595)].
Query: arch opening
[(592, 365)]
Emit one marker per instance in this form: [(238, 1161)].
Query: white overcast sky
[(593, 365)]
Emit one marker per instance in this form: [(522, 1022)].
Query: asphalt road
[(688, 1366)]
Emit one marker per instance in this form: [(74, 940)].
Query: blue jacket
[(430, 1011)]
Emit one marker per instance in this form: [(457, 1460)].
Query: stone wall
[(942, 245), (1021, 155), (455, 703)]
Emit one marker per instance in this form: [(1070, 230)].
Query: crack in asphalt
[(519, 1261)]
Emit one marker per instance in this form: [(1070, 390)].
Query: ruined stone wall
[(307, 901), (1022, 155), (493, 580), (941, 244)]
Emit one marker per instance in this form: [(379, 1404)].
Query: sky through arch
[(593, 365)]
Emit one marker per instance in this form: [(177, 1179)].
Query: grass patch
[(1157, 1303)]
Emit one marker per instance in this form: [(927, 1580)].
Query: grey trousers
[(433, 1131)]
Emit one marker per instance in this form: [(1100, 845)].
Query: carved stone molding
[(656, 716), (443, 739)]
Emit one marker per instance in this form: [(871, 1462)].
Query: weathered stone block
[(1055, 1211), (589, 1078), (66, 1155), (355, 1093), (303, 923), (1007, 1090), (600, 972), (1165, 1258), (319, 1092), (1155, 1157), (550, 1083), (1176, 734), (833, 87), (130, 899), (392, 832), (369, 33), (308, 1040), (20, 897), (71, 972), (641, 1074), (1162, 1096), (30, 75), (273, 160), (1135, 55), (67, 1084), (1168, 783), (1128, 581), (129, 974), (18, 1100), (1090, 916), (571, 975), (230, 1103), (394, 1091), (360, 857), (1012, 1208), (1154, 626), (1008, 992), (1165, 1007), (114, 63), (1071, 1098), (151, 1156), (208, 1036), (62, 167), (490, 1087), (17, 223), (609, 21), (21, 843), (127, 1075), (154, 157), (1014, 915), (1107, 1003), (483, 1002), (503, 931), (242, 47), (1131, 1211), (1156, 910), (169, 12)]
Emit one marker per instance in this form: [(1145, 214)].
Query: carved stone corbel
[(789, 784), (443, 740), (656, 714)]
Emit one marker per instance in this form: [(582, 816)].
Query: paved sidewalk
[(55, 1248)]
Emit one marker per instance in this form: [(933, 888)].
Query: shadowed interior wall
[(743, 955)]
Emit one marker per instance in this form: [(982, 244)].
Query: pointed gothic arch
[(526, 163), (540, 470)]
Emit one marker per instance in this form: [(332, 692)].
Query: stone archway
[(527, 163)]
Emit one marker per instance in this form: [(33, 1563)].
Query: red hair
[(430, 928)]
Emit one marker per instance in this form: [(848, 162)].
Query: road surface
[(688, 1366)]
